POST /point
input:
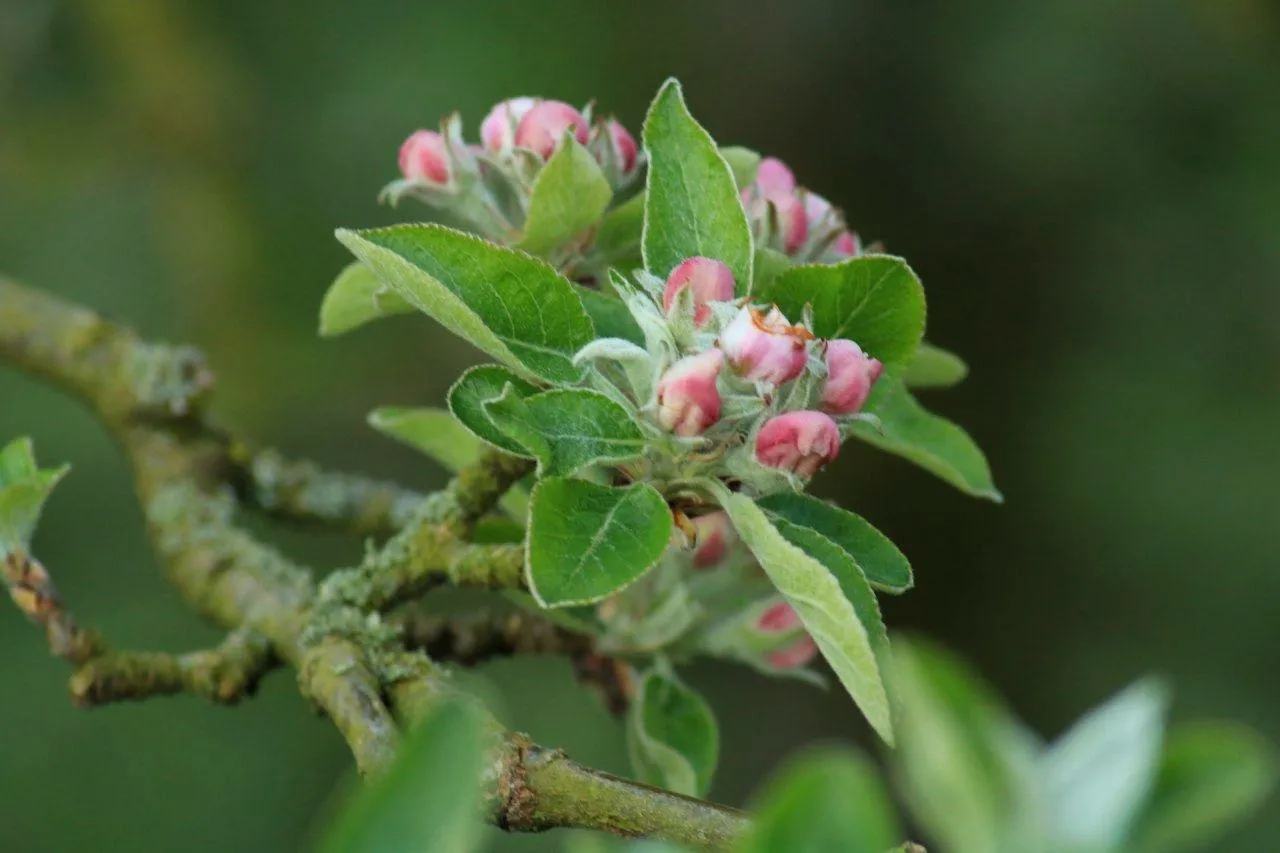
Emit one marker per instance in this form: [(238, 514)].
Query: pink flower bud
[(765, 348), (847, 245), (775, 185), (793, 225), (778, 618), (544, 125), (800, 442), (715, 535), (498, 130), (624, 145), (795, 655), (711, 281), (773, 176), (688, 401), (850, 375), (423, 158)]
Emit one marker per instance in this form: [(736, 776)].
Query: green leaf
[(428, 801), (878, 558), (568, 429), (357, 297), (475, 388), (936, 444), (770, 263), (873, 300), (743, 162), (672, 736), (570, 195), (934, 367), (617, 241), (816, 594), (968, 768), (438, 434), (1212, 775), (588, 541), (512, 306), (827, 801), (611, 317), (1098, 775), (692, 206), (24, 488)]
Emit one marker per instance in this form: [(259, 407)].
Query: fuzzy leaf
[(428, 801), (1212, 774), (357, 297), (617, 240), (816, 594), (878, 558), (936, 444), (512, 306), (874, 300), (611, 317), (24, 488), (743, 162), (934, 367), (588, 541), (672, 736), (826, 801), (692, 207), (1098, 775), (478, 386), (567, 429), (770, 264), (570, 195)]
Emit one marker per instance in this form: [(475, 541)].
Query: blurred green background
[(1090, 191)]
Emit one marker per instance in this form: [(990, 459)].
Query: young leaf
[(672, 736), (818, 598), (588, 541), (428, 801), (617, 240), (1212, 774), (936, 444), (825, 802), (770, 263), (934, 367), (478, 386), (509, 304), (743, 162), (878, 558), (874, 300), (567, 429), (24, 488), (1098, 775), (610, 317), (357, 297), (968, 769), (570, 195), (692, 205)]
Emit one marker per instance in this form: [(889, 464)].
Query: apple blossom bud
[(624, 145), (850, 375), (423, 157), (773, 176), (498, 130), (778, 618), (765, 348), (847, 245), (775, 185), (715, 535), (710, 280), (688, 401), (800, 442), (795, 655), (544, 125), (793, 225)]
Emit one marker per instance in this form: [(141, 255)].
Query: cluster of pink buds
[(802, 224)]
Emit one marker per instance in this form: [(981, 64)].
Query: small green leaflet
[(24, 488), (611, 317), (509, 304), (355, 298), (672, 736), (617, 240), (692, 206), (478, 386), (907, 429), (570, 195), (874, 300), (587, 541), (567, 429), (934, 367)]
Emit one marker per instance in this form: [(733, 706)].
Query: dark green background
[(1090, 191)]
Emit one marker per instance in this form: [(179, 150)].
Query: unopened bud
[(624, 146), (850, 375), (799, 442), (423, 157), (498, 130), (765, 347), (544, 125), (775, 185), (798, 654), (709, 279), (847, 245), (688, 401), (778, 618), (715, 534), (773, 176)]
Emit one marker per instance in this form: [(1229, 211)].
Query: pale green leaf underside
[(568, 429), (692, 206), (672, 736), (355, 298), (570, 195), (934, 367), (509, 304), (478, 386), (586, 541)]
